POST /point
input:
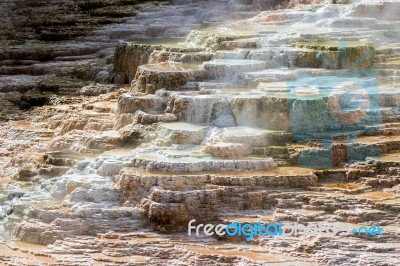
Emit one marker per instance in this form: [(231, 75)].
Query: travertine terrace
[(114, 137)]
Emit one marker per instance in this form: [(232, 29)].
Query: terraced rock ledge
[(241, 112)]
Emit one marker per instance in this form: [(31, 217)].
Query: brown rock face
[(149, 80), (270, 117), (54, 20), (331, 55), (127, 59), (46, 48)]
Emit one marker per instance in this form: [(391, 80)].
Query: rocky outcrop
[(55, 20), (151, 78), (231, 114), (127, 59)]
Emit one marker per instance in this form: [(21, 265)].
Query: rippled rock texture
[(53, 20), (121, 121)]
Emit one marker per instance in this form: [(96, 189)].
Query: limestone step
[(192, 160), (169, 76), (130, 103), (386, 9), (237, 54), (284, 152), (129, 55), (388, 65), (168, 134), (348, 150), (284, 74), (251, 137), (159, 56), (231, 110), (359, 54), (387, 71), (247, 108), (230, 69), (226, 38), (269, 75), (143, 118)]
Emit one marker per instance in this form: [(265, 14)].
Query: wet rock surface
[(238, 112)]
